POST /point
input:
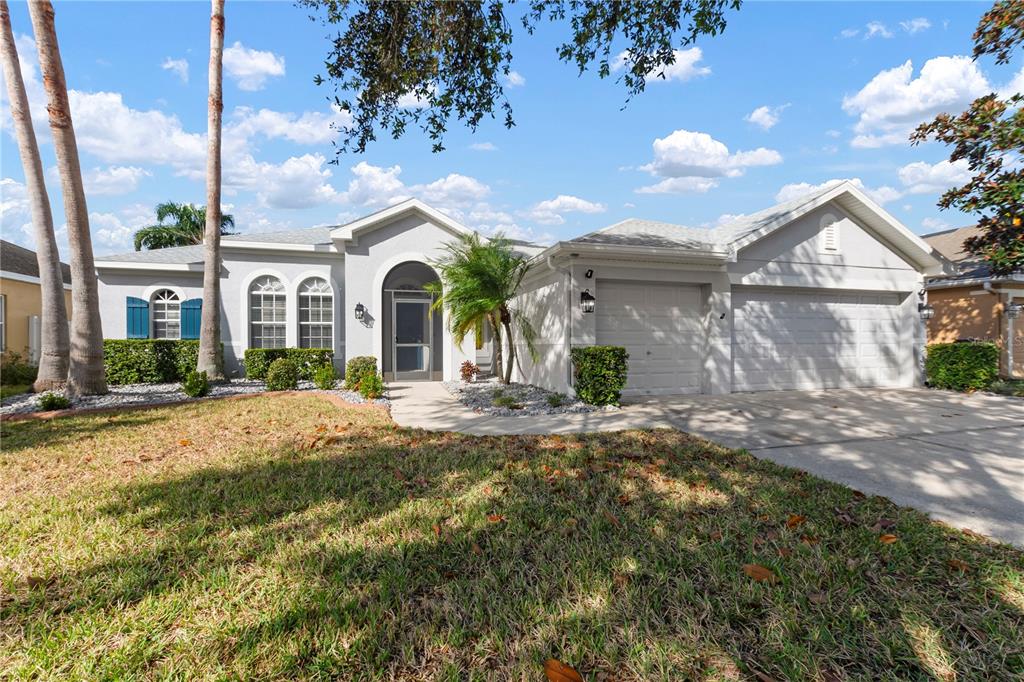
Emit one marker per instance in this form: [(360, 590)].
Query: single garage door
[(660, 326), (815, 339)]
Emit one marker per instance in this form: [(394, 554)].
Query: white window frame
[(166, 301), (268, 288), (319, 289)]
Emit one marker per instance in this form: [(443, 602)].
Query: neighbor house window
[(316, 314), (166, 307), (267, 313)]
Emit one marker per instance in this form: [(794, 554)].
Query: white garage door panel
[(660, 327), (802, 340)]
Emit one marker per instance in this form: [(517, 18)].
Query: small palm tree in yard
[(184, 226), (480, 280)]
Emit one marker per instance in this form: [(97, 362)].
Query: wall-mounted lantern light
[(360, 311), (587, 301), (589, 274), (1013, 310), (926, 311)]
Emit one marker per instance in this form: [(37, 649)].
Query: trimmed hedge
[(600, 373), (149, 361), (307, 360), (283, 375), (962, 366), (358, 368)]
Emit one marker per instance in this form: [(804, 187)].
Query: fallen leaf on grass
[(817, 597), (760, 573), (612, 519), (784, 552), (888, 539), (556, 671), (437, 530), (476, 549), (495, 518), (716, 535), (809, 540), (958, 565), (623, 499), (795, 520), (184, 442), (882, 524)]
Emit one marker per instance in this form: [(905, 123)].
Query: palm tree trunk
[(506, 321), (54, 345), (496, 340), (86, 373), (210, 359)]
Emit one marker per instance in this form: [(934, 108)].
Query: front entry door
[(413, 331)]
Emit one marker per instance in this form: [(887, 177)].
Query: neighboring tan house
[(21, 300), (820, 292), (972, 304)]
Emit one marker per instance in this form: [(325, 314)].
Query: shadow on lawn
[(420, 555)]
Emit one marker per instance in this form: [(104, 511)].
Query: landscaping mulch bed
[(137, 395), (513, 400)]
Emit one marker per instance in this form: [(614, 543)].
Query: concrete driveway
[(958, 457)]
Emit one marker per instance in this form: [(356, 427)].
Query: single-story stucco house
[(21, 300), (820, 292)]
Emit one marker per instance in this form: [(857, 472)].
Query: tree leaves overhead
[(989, 135), (393, 64), (189, 223)]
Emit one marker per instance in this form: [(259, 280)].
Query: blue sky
[(791, 96)]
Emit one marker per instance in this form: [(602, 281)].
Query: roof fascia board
[(665, 254), (152, 267), (29, 279)]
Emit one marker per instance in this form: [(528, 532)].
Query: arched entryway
[(411, 333)]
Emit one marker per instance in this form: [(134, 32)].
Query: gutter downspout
[(549, 261)]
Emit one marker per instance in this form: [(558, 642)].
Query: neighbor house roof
[(21, 261), (969, 267)]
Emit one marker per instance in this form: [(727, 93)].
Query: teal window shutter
[(191, 315), (138, 318)]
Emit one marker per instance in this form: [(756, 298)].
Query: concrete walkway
[(958, 457)]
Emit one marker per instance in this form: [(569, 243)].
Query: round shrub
[(283, 375), (371, 386), (53, 401), (357, 368), (196, 384), (324, 377), (600, 373)]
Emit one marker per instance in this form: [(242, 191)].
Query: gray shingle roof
[(194, 253), (171, 255), (18, 259), (309, 235)]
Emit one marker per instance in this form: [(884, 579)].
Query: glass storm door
[(412, 339)]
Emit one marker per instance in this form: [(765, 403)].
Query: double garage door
[(782, 339)]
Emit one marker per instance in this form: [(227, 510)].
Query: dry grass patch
[(283, 537)]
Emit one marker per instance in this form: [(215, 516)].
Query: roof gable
[(351, 231)]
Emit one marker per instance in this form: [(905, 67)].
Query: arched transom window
[(166, 307), (316, 314), (267, 316)]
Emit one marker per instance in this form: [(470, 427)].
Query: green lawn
[(281, 537)]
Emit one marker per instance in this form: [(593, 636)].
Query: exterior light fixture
[(587, 301), (589, 274), (360, 311), (1013, 310), (926, 311)]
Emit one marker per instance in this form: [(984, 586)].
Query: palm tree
[(210, 359), (55, 344), (86, 373), (189, 222), (479, 282)]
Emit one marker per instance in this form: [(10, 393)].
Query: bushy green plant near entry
[(962, 366), (257, 361), (53, 401), (16, 371), (283, 375), (149, 361), (557, 399), (324, 377), (371, 386), (507, 401), (357, 368), (196, 384), (600, 373)]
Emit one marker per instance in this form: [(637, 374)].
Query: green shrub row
[(149, 361), (307, 360), (600, 373), (962, 366)]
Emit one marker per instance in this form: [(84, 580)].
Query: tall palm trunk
[(506, 322), (496, 340), (86, 374), (210, 358), (54, 345)]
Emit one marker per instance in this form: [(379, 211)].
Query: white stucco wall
[(545, 302)]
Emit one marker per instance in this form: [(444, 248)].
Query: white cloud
[(925, 178), (876, 29), (514, 79), (796, 190), (691, 158), (310, 127), (297, 182), (915, 25), (251, 68), (894, 102), (935, 225), (685, 67), (849, 33), (833, 133), (1015, 86), (483, 147), (550, 211), (765, 116), (375, 186), (179, 67), (109, 181), (452, 190), (411, 100), (14, 211)]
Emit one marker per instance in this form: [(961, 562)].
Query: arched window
[(166, 307), (316, 314), (267, 313)]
